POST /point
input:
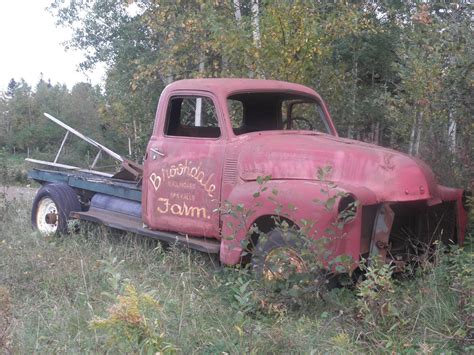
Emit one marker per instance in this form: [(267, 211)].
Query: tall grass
[(53, 290), (13, 169)]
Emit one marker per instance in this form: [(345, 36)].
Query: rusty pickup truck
[(213, 139)]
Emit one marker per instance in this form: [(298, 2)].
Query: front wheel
[(286, 256), (278, 257), (51, 208)]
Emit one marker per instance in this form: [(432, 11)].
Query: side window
[(192, 116)]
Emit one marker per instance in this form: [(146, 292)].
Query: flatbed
[(129, 190)]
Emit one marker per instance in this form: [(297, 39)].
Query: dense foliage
[(398, 74)]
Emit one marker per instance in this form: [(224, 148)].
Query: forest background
[(395, 73)]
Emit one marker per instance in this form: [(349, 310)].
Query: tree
[(395, 73), (11, 88)]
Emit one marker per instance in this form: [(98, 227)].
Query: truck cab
[(191, 159)]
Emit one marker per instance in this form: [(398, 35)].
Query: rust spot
[(387, 162), (51, 218)]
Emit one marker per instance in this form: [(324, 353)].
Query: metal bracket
[(83, 137), (381, 233)]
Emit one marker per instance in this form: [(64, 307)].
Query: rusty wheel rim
[(47, 216), (281, 263)]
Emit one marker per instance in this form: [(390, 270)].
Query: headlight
[(347, 208)]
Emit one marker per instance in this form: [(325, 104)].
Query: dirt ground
[(18, 192)]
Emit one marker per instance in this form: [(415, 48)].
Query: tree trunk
[(452, 133), (377, 133), (350, 132), (198, 118), (237, 13), (412, 139), (418, 134), (256, 23), (355, 73), (392, 138), (256, 34), (412, 134), (135, 133)]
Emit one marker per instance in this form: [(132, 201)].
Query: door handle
[(157, 152)]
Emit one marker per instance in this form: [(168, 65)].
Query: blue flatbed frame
[(90, 182)]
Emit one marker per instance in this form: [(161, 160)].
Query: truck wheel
[(51, 208), (278, 257)]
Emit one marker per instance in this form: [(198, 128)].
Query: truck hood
[(391, 175)]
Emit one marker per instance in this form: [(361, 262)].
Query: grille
[(230, 172)]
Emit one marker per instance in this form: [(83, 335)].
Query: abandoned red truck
[(214, 138)]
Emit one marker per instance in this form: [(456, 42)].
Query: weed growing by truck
[(294, 260)]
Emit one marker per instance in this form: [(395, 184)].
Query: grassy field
[(98, 291)]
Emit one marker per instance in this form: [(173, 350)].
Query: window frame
[(315, 97), (183, 94)]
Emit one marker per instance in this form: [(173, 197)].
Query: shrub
[(132, 322), (375, 304), (303, 267)]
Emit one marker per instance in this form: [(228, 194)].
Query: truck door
[(183, 168)]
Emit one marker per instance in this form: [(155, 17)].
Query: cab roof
[(229, 86)]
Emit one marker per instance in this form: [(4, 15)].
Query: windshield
[(253, 112)]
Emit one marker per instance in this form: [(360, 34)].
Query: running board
[(135, 225)]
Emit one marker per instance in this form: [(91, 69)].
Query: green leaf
[(330, 203)]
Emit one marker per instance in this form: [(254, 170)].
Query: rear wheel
[(51, 208)]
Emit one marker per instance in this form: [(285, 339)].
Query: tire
[(288, 246), (277, 241), (51, 208)]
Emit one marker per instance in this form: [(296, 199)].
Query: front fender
[(297, 200)]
